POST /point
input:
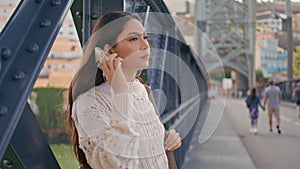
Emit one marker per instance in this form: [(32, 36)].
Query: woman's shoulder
[(94, 92), (86, 97)]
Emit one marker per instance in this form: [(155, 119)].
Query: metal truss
[(230, 27), (24, 46), (165, 39)]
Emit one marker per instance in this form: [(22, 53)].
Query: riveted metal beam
[(24, 44), (86, 12), (11, 160), (31, 145)]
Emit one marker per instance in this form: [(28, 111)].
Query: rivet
[(7, 163), (45, 23), (78, 14), (19, 75), (5, 53), (33, 47), (56, 2), (3, 110), (94, 15)]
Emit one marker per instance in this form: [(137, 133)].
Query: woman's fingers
[(108, 66), (172, 141), (104, 66), (175, 145), (111, 61), (117, 62)]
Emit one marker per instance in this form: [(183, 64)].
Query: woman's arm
[(293, 95), (114, 129), (105, 128)]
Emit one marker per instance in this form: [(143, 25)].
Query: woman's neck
[(129, 74)]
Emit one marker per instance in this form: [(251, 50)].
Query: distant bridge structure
[(25, 43), (230, 26)]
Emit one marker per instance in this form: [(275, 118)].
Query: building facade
[(270, 58)]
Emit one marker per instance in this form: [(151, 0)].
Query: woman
[(253, 101), (112, 121), (296, 98)]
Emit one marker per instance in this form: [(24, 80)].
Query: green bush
[(50, 102)]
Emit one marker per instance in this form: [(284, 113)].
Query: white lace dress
[(119, 130)]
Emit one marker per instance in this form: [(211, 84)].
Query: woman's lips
[(146, 56)]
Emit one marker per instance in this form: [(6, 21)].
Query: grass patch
[(64, 156)]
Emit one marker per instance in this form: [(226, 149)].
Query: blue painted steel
[(31, 145), (86, 22), (158, 79), (29, 44), (77, 13), (11, 160), (86, 12)]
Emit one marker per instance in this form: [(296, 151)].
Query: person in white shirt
[(273, 97), (112, 121)]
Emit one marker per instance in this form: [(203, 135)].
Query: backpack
[(248, 101)]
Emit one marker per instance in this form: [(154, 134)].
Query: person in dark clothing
[(296, 98), (253, 101)]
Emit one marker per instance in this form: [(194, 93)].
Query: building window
[(73, 48)]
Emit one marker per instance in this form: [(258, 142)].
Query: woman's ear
[(112, 50)]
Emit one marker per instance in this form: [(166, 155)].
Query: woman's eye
[(146, 37), (133, 39)]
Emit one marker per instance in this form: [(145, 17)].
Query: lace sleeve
[(114, 131), (95, 121)]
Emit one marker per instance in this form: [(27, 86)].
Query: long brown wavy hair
[(89, 75)]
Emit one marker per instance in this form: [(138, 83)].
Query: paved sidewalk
[(289, 104), (224, 150)]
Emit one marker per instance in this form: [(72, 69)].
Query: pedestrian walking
[(296, 98), (253, 101), (273, 97)]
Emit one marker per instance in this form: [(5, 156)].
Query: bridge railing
[(286, 88)]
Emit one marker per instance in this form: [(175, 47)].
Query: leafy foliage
[(260, 79), (296, 62), (50, 102)]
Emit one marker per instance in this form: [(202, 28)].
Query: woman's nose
[(144, 43)]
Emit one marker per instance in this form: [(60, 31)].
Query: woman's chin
[(145, 66)]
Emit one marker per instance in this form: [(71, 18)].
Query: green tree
[(50, 102), (296, 62), (260, 79)]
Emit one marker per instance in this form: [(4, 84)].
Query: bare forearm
[(280, 98), (265, 101)]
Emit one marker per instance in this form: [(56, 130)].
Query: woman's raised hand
[(113, 73), (172, 140)]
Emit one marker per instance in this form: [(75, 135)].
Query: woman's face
[(132, 46)]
